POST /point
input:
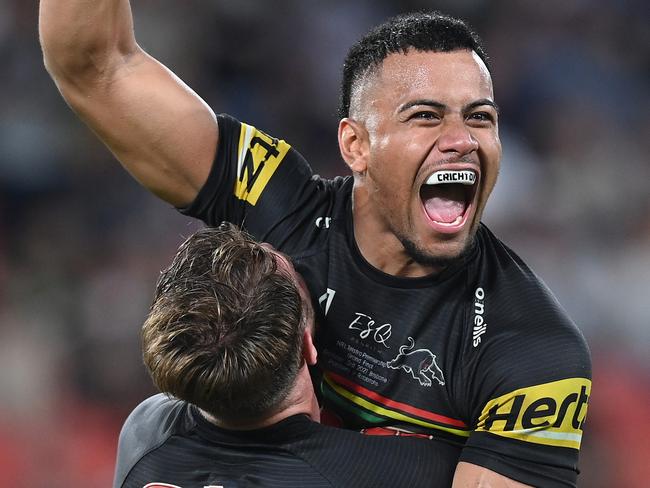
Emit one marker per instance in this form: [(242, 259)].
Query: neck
[(301, 400), (378, 245)]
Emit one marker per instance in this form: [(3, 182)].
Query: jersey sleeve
[(529, 380), (262, 184), (149, 425)]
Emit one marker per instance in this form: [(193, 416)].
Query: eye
[(424, 115), (482, 118)]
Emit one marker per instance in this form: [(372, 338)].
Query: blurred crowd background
[(81, 244)]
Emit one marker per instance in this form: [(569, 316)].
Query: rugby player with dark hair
[(228, 338), (430, 324)]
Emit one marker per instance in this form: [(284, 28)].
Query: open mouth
[(447, 196)]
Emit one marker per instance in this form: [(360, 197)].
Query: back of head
[(225, 328), (422, 31)]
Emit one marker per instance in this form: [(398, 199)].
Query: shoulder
[(508, 291), (148, 426), (349, 458), (529, 372), (516, 314), (498, 259), (264, 184), (319, 208), (159, 411), (527, 351)]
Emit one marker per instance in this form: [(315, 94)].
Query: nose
[(456, 137)]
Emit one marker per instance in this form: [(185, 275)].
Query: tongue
[(444, 203)]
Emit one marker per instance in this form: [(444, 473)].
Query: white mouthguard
[(464, 177)]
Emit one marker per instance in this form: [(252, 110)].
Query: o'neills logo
[(479, 323)]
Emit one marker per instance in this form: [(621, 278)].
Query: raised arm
[(156, 126)]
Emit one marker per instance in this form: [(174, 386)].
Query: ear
[(308, 348), (354, 144)]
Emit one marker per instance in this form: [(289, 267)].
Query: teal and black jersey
[(167, 443), (480, 354)]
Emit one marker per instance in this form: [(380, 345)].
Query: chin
[(442, 254)]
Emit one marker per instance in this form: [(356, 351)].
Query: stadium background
[(81, 244)]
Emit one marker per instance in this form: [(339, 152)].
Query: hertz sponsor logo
[(552, 413), (259, 155)]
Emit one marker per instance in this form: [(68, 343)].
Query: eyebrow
[(482, 101), (423, 101), (442, 106)]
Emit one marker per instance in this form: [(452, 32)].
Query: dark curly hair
[(422, 31)]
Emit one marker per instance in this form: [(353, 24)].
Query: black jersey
[(481, 354), (166, 442)]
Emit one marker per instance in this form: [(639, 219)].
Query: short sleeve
[(257, 182), (529, 379)]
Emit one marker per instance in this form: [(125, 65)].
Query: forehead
[(452, 77)]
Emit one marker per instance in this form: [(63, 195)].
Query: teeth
[(455, 222), (464, 177)]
